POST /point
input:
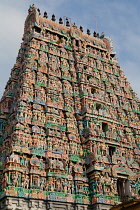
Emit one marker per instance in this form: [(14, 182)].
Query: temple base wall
[(12, 203)]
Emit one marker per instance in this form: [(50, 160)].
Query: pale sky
[(118, 19)]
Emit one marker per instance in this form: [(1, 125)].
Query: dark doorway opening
[(123, 188), (111, 152)]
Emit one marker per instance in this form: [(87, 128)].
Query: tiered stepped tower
[(69, 122)]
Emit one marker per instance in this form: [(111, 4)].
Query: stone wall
[(12, 203)]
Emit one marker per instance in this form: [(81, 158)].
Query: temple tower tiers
[(69, 122)]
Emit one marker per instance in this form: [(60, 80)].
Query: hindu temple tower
[(69, 122)]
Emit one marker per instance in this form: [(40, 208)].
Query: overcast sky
[(118, 19)]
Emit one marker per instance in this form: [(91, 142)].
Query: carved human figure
[(25, 181), (4, 181), (14, 179)]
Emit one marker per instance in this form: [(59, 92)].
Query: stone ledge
[(13, 203)]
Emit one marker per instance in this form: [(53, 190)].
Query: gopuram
[(69, 122)]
